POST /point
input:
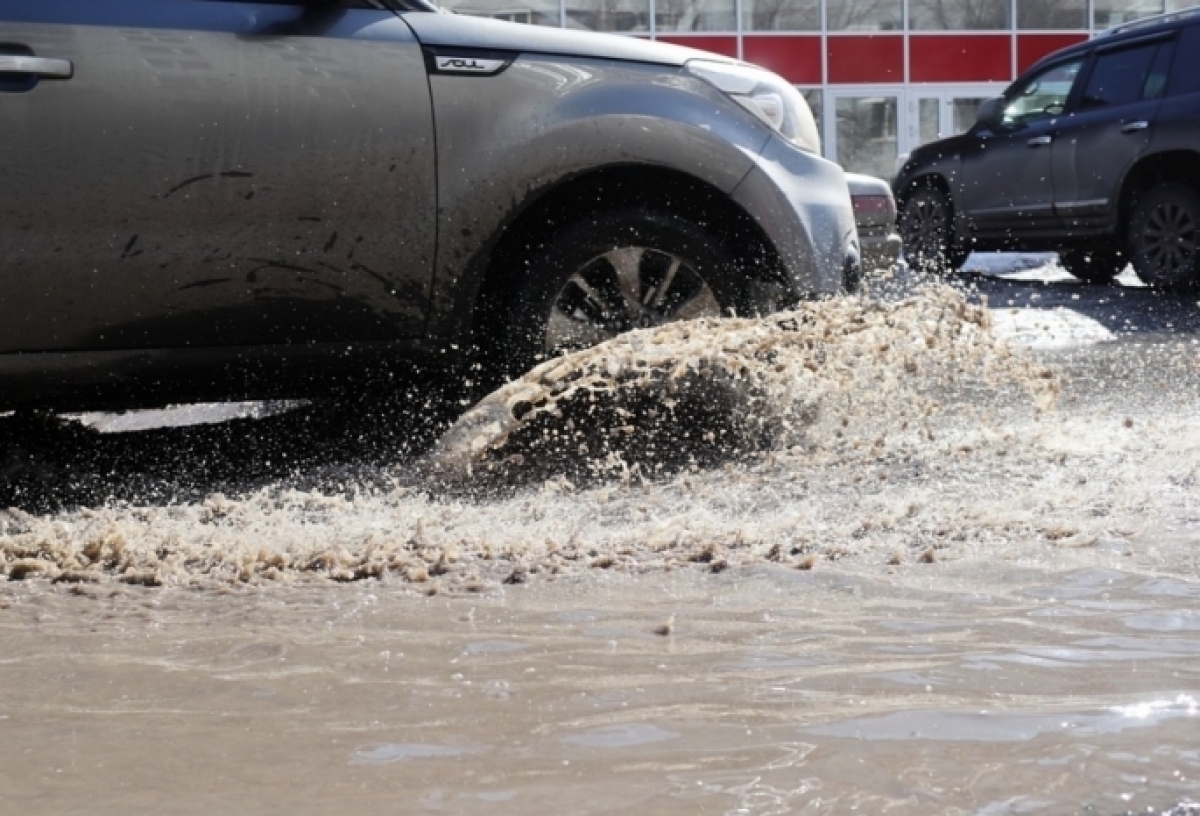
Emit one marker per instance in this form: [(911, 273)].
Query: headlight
[(768, 96)]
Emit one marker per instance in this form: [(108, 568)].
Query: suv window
[(1042, 95), (1122, 77), (1185, 77)]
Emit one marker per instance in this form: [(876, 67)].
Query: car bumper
[(803, 205), (880, 248)]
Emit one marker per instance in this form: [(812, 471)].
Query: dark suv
[(1094, 152)]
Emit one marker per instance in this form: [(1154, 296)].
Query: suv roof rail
[(1156, 19)]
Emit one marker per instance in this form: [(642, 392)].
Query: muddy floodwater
[(909, 556), (1062, 687)]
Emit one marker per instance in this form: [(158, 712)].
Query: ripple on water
[(620, 736), (494, 647), (961, 726), (1175, 620), (390, 752)]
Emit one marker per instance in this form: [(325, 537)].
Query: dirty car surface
[(223, 200)]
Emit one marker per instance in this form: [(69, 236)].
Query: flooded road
[(1072, 686), (955, 573)]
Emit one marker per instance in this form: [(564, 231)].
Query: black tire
[(570, 295), (1098, 266), (926, 225), (1164, 237)]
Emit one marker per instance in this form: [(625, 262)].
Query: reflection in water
[(402, 752), (620, 736), (953, 726)]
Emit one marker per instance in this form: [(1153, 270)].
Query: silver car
[(224, 200), (875, 217)]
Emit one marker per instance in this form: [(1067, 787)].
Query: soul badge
[(469, 65)]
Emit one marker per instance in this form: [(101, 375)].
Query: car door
[(194, 173), (1108, 130), (1006, 186)]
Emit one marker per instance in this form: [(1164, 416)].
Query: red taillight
[(872, 205)]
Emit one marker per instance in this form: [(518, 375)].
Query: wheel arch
[(930, 179), (1150, 171), (498, 274), (937, 180), (962, 232)]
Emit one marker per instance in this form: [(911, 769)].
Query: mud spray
[(641, 450), (887, 432)]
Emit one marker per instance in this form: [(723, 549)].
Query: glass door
[(862, 129), (938, 113), (867, 128)]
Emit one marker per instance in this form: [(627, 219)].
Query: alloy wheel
[(926, 230), (626, 288), (1169, 238)]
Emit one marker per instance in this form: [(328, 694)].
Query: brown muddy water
[(902, 567)]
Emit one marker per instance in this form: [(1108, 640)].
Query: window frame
[(1069, 102), (1167, 39), (1178, 61)]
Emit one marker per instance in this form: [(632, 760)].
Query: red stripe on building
[(717, 45), (960, 58), (796, 59), (866, 58), (1032, 47)]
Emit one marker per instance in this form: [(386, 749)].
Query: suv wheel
[(1164, 237), (926, 227), (607, 274), (1094, 265)]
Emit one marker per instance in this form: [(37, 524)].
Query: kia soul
[(229, 200)]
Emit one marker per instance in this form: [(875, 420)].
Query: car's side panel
[(1085, 189), (1114, 119), (88, 380), (1006, 184), (214, 174), (505, 140)]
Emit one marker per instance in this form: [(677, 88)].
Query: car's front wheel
[(926, 226), (1097, 266), (1164, 237), (609, 273)]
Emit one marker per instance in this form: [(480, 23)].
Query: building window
[(695, 15), (864, 15), (867, 134), (1108, 13), (1051, 14), (963, 111), (609, 15), (538, 12), (958, 15), (781, 15)]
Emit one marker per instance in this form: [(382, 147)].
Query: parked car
[(1094, 152), (875, 217), (228, 200)]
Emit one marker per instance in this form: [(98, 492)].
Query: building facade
[(882, 76)]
